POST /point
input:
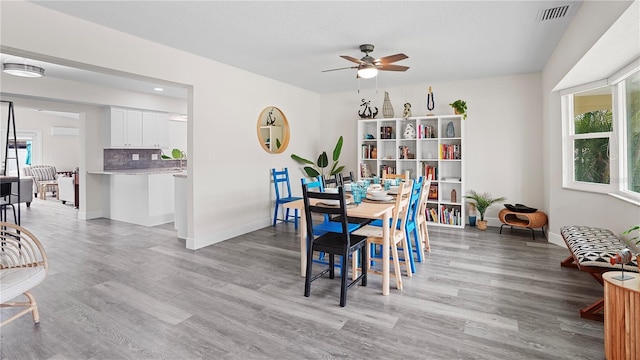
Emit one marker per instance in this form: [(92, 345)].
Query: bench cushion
[(594, 247), (15, 281)]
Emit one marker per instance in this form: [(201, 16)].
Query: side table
[(43, 188), (530, 221), (621, 316)]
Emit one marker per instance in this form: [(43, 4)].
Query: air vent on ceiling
[(553, 13)]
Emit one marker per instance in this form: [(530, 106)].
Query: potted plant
[(633, 241), (317, 168), (482, 203), (460, 108)]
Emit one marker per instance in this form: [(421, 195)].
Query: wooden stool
[(530, 221), (43, 188)]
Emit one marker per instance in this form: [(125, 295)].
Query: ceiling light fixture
[(367, 71), (23, 70)]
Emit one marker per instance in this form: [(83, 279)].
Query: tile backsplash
[(123, 159)]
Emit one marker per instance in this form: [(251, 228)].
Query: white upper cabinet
[(123, 127), (136, 128), (155, 129)]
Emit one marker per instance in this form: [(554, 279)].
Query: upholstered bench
[(591, 251)]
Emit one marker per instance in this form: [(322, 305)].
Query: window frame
[(618, 155)]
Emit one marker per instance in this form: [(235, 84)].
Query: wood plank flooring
[(121, 291)]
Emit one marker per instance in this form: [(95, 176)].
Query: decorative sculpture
[(409, 132), (406, 113), (366, 112), (387, 108), (430, 101)]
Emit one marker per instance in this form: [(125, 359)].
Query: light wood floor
[(121, 291)]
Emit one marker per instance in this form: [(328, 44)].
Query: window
[(601, 127)]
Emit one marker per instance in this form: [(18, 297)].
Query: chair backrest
[(400, 211), (281, 178), (330, 181), (414, 202), (424, 197), (394, 176), (346, 179), (313, 205), (316, 186), (41, 172)]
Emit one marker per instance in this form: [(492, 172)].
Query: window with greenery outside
[(591, 155), (632, 97)]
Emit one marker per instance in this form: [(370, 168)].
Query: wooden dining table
[(366, 209)]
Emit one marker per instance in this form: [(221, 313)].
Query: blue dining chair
[(328, 225), (281, 179)]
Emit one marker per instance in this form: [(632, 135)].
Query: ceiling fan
[(368, 66)]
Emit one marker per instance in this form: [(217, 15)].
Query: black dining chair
[(330, 181), (346, 179), (343, 243)]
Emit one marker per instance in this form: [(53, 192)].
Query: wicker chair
[(23, 265)]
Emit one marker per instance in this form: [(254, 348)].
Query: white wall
[(569, 207), (223, 107), (503, 129)]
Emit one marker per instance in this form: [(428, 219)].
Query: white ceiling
[(293, 41)]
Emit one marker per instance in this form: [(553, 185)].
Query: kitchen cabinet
[(123, 127), (155, 129)]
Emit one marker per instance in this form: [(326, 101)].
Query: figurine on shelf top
[(366, 112), (406, 113)]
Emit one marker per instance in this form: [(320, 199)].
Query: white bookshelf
[(435, 152)]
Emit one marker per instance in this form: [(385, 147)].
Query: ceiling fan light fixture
[(367, 72), (23, 70)]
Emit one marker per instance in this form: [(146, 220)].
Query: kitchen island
[(141, 196)]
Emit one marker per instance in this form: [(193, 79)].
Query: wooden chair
[(281, 178), (23, 265), (341, 243), (330, 181), (402, 176), (396, 235), (422, 216), (346, 179)]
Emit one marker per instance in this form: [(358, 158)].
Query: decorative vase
[(482, 224), (454, 196), (387, 108), (451, 130), (472, 220)]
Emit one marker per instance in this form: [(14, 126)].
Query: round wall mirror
[(273, 130)]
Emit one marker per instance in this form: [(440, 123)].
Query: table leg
[(385, 253)]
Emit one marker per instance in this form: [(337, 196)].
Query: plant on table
[(482, 202), (316, 169), (632, 238)]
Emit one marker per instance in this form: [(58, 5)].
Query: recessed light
[(158, 89)]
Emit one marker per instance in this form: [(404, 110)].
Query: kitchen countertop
[(139, 171)]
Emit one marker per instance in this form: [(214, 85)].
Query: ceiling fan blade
[(350, 58), (392, 58), (393, 68), (344, 68)]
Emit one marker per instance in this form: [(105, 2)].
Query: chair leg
[(363, 260), (343, 280), (295, 220), (425, 238), (418, 242), (275, 214), (307, 280), (408, 249), (354, 267), (396, 266), (408, 256), (332, 267)]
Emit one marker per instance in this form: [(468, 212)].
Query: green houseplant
[(316, 169), (460, 108), (482, 202), (631, 237)]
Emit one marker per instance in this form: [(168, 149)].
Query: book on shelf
[(369, 151), (430, 170), (432, 214), (450, 152), (365, 171), (433, 192), (425, 132), (386, 169), (450, 216), (386, 132)]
